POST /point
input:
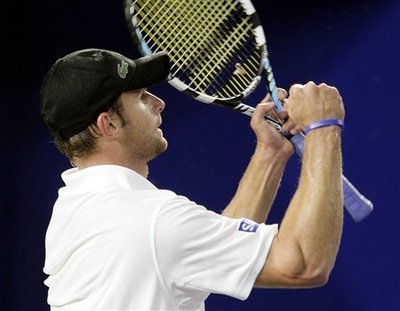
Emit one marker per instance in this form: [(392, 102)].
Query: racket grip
[(355, 203)]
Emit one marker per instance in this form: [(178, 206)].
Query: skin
[(304, 250), (135, 143), (265, 168)]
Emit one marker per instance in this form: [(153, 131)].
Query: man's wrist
[(323, 123), (267, 153)]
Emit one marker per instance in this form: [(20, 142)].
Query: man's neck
[(140, 168)]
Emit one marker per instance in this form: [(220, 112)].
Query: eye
[(144, 101)]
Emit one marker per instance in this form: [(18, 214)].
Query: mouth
[(159, 125)]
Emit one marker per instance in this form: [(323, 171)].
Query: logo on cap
[(123, 69)]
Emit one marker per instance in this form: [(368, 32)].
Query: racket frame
[(356, 204)]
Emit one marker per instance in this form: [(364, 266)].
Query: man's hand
[(267, 136), (310, 103)]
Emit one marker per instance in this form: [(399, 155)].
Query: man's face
[(142, 137)]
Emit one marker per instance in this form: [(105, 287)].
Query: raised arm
[(259, 184), (304, 251)]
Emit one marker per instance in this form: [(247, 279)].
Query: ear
[(106, 126)]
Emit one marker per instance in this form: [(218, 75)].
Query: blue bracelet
[(323, 123)]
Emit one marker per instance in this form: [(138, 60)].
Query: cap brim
[(149, 70)]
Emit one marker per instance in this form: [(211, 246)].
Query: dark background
[(353, 45)]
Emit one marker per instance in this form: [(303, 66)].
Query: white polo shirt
[(116, 242)]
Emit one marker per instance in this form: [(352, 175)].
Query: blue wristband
[(323, 123)]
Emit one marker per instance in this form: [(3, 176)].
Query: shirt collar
[(100, 176)]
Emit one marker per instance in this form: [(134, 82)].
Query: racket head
[(217, 48)]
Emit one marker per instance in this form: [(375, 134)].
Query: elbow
[(314, 275), (312, 270), (309, 275), (292, 267), (323, 280), (318, 279), (293, 276)]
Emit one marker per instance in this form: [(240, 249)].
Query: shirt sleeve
[(201, 252)]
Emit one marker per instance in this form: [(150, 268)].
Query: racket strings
[(189, 42), (174, 30), (204, 34), (235, 62), (174, 33), (223, 55), (211, 44)]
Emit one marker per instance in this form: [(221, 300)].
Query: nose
[(158, 104)]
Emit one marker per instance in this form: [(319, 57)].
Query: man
[(116, 242)]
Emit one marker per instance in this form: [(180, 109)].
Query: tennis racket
[(218, 56)]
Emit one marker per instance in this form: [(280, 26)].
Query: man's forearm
[(258, 186), (313, 221)]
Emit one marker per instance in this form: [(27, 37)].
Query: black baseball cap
[(83, 84)]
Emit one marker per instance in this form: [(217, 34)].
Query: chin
[(160, 147), (164, 146)]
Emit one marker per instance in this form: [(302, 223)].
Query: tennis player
[(117, 242)]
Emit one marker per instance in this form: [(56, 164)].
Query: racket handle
[(355, 203)]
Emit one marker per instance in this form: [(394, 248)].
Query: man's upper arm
[(199, 249)]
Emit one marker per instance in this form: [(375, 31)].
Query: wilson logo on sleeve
[(247, 225)]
